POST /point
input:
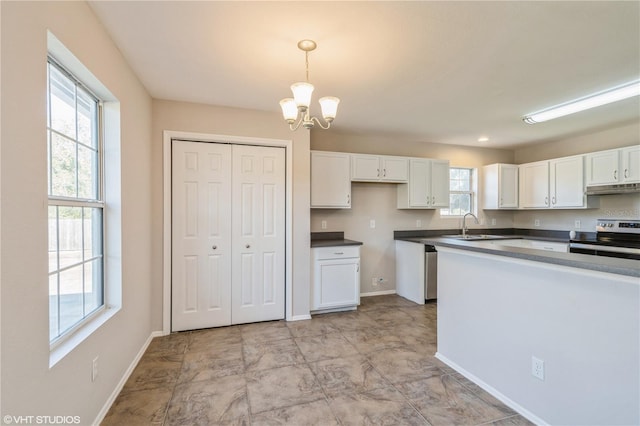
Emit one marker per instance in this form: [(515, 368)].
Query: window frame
[(78, 202), (472, 192)]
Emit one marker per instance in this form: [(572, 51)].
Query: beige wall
[(378, 201), (198, 118), (29, 386)]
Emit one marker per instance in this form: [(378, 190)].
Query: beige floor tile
[(265, 355), (139, 407), (351, 321), (318, 325), (347, 375), (155, 371), (315, 413), (209, 402), (282, 387), (384, 406), (265, 332), (213, 339), (516, 420), (325, 346), (395, 318), (173, 344), (402, 365), (373, 339), (444, 401), (206, 365)]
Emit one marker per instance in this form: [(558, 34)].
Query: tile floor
[(374, 366)]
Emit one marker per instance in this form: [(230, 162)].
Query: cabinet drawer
[(336, 252)]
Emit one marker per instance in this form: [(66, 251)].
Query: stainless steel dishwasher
[(430, 273)]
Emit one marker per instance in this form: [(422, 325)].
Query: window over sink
[(462, 192)]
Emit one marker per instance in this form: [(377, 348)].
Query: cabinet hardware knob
[(215, 247), (348, 198), (553, 200), (384, 172), (625, 173), (615, 175), (378, 170), (247, 246), (338, 252), (546, 201)]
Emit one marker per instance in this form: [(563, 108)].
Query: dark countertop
[(611, 265), (331, 239)]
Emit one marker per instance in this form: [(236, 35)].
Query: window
[(76, 284), (461, 192)]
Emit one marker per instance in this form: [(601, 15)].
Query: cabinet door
[(631, 164), (395, 169), (330, 180), (566, 177), (419, 183), (534, 185), (507, 186), (603, 167), (439, 183), (336, 283), (365, 168)]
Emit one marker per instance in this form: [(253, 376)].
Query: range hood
[(625, 188)]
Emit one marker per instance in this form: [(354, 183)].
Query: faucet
[(464, 224)]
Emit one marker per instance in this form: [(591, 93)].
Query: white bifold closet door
[(228, 238)]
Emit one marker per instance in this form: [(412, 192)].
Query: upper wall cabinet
[(428, 185), (556, 184), (613, 166), (330, 180), (500, 186), (534, 185), (379, 168)]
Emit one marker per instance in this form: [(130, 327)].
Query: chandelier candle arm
[(295, 111)]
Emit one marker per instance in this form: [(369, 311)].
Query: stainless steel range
[(614, 238)]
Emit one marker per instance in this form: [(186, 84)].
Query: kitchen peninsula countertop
[(331, 239), (611, 265)]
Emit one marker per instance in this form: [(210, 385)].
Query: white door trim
[(167, 136)]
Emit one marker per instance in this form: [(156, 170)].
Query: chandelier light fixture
[(296, 110), (601, 98)]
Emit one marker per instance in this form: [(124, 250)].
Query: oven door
[(604, 250)]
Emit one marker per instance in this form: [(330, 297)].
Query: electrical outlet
[(94, 369), (372, 223), (418, 223), (323, 224), (536, 222), (374, 282), (537, 368), (493, 221), (577, 224)]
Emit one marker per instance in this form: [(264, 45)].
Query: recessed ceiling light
[(483, 139), (595, 100)]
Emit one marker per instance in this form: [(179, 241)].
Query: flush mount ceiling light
[(602, 98), (296, 110)]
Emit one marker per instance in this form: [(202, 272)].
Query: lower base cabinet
[(336, 278)]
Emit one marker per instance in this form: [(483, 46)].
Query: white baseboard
[(105, 409), (377, 293), (498, 395), (299, 317)]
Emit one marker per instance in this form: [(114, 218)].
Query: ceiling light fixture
[(601, 98), (483, 139), (297, 108)]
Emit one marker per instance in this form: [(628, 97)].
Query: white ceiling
[(444, 72)]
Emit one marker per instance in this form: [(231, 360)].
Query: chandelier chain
[(306, 62)]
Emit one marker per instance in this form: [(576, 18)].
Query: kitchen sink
[(479, 237)]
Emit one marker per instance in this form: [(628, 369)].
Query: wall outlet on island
[(536, 222), (493, 222), (577, 224), (418, 223), (376, 281), (323, 224)]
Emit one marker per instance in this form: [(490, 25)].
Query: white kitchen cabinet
[(330, 180), (630, 164), (335, 282), (379, 168), (566, 181), (500, 186), (603, 167), (533, 185), (427, 187)]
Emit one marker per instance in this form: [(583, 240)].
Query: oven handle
[(613, 249)]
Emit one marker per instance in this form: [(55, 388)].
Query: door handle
[(384, 172), (625, 173), (546, 201), (553, 200), (348, 198), (378, 170), (615, 175)]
